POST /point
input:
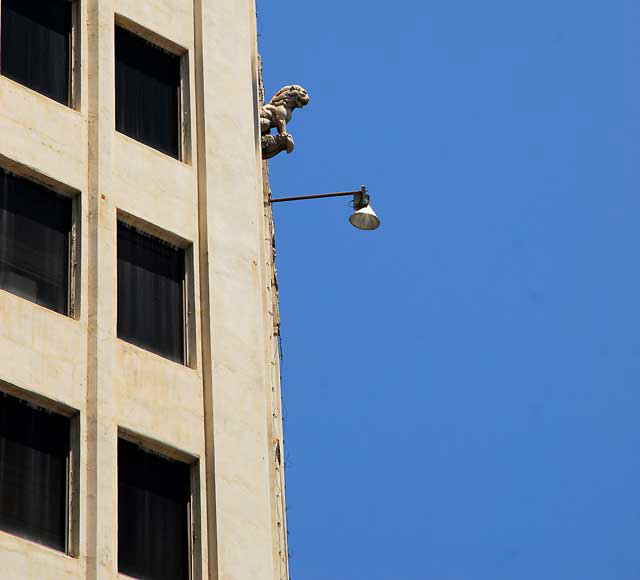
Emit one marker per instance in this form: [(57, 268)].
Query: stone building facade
[(122, 397)]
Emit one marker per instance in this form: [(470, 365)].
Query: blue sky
[(462, 386)]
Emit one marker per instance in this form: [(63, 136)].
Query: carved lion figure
[(276, 114)]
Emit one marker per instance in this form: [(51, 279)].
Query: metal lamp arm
[(360, 197)]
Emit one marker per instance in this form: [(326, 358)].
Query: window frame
[(73, 475), (188, 284), (74, 96), (184, 90), (74, 274), (75, 57), (166, 451)]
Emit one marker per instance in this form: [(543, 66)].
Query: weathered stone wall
[(219, 409)]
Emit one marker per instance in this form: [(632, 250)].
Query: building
[(140, 428)]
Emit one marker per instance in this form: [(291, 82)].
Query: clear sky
[(462, 386)]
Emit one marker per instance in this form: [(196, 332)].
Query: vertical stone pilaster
[(101, 426)]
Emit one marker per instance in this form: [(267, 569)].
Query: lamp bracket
[(360, 197)]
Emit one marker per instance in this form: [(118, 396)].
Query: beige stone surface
[(170, 19), (159, 399), (23, 559), (155, 187), (222, 410), (41, 350), (42, 134)]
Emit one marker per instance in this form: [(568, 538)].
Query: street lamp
[(363, 217)]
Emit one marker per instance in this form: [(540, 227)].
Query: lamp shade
[(365, 219)]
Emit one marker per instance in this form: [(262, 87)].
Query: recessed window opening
[(36, 227), (151, 293), (148, 93), (35, 448), (38, 45), (154, 514)]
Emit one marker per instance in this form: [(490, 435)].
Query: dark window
[(153, 515), (35, 227), (147, 93), (151, 293), (36, 45), (34, 452)]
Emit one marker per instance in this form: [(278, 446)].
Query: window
[(35, 242), (148, 93), (151, 293), (154, 514), (37, 45), (35, 473)]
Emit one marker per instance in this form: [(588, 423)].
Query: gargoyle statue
[(275, 115)]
